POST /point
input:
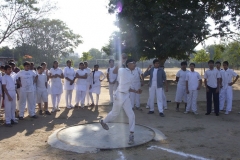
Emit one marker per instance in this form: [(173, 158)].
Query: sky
[(89, 18)]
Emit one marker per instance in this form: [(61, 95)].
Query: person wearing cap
[(95, 87), (112, 80), (122, 99), (89, 71), (156, 83)]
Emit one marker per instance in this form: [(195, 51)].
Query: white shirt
[(26, 78), (154, 78), (81, 84), (68, 73), (227, 76), (88, 72), (193, 80), (181, 74), (96, 78), (112, 76), (125, 79), (212, 76), (41, 81), (9, 81), (56, 82), (137, 73)]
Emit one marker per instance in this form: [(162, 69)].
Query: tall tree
[(170, 28), (51, 40), (201, 57), (16, 15), (95, 53), (86, 56)]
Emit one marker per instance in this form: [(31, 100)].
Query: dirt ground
[(210, 137)]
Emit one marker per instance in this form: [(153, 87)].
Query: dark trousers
[(212, 93)]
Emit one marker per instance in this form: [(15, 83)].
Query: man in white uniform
[(26, 91), (87, 97), (226, 87), (181, 94), (156, 83), (8, 82), (122, 100), (112, 80), (193, 84), (212, 84), (136, 85)]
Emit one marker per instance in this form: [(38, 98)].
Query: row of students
[(218, 83)]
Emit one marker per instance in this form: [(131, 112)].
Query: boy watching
[(212, 83), (8, 83), (42, 94), (193, 84), (226, 87), (26, 91)]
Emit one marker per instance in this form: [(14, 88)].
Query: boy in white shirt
[(122, 100), (193, 84), (8, 82), (112, 79), (81, 85), (181, 94), (42, 94), (28, 78), (212, 84), (136, 85), (226, 86)]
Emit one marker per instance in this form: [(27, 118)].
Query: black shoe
[(40, 112), (47, 113), (20, 118), (161, 115), (35, 117), (207, 113), (217, 114), (151, 112), (13, 122)]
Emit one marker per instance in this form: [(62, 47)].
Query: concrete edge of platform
[(54, 141)]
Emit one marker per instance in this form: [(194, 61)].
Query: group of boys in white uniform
[(218, 83)]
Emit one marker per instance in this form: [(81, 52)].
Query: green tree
[(6, 52), (201, 57), (16, 15), (86, 56), (95, 53), (49, 40), (168, 28), (216, 51), (232, 54)]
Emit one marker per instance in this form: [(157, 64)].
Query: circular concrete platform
[(92, 137)]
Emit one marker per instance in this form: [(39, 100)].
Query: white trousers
[(56, 100), (135, 98), (10, 107), (158, 91), (87, 94), (68, 97), (226, 95), (192, 100), (91, 97), (181, 94), (112, 89), (80, 96), (122, 100), (164, 99), (26, 97)]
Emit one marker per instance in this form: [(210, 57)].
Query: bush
[(21, 67)]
